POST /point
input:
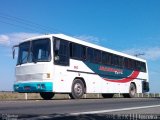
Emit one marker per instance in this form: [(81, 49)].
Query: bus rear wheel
[(77, 89), (132, 91), (47, 95), (107, 95)]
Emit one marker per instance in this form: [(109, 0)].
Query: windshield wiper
[(34, 60)]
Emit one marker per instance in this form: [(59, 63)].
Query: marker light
[(48, 75), (38, 86)]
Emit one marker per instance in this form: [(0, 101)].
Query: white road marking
[(114, 110)]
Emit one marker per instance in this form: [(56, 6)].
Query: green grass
[(35, 96)]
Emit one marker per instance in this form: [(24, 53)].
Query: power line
[(19, 26), (21, 21), (25, 23)]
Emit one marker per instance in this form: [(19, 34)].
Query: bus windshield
[(34, 51)]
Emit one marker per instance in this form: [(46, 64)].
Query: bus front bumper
[(33, 87)]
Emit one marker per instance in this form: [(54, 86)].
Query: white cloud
[(149, 53), (89, 38), (4, 40), (8, 40), (15, 38)]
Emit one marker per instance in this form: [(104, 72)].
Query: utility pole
[(139, 54)]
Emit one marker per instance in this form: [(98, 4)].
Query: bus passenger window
[(126, 62), (104, 58), (56, 49), (77, 51), (61, 52), (138, 66), (109, 59), (115, 60), (120, 61), (143, 67), (90, 54), (97, 56)]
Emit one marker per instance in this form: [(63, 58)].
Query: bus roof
[(82, 42)]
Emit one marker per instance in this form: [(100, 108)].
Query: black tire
[(107, 95), (132, 91), (47, 95), (77, 89)]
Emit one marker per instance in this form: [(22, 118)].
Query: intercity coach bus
[(58, 63)]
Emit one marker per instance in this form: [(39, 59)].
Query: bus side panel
[(80, 70), (113, 87), (65, 75), (93, 83), (62, 80)]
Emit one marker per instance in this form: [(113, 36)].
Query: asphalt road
[(83, 109)]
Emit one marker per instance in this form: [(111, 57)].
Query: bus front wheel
[(77, 89), (47, 95)]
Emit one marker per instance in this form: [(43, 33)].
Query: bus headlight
[(16, 87), (46, 76), (38, 86)]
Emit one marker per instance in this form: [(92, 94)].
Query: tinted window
[(120, 60), (115, 60), (134, 64), (104, 58), (40, 50), (97, 56), (126, 63), (138, 66), (143, 67), (110, 59), (23, 53), (77, 51), (61, 52), (90, 54)]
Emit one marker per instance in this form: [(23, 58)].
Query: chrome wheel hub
[(78, 88)]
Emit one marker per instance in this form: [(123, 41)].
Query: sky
[(129, 26)]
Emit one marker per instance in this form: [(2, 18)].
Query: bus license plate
[(27, 88)]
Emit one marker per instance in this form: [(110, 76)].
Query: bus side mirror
[(13, 53)]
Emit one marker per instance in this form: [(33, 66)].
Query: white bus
[(57, 63)]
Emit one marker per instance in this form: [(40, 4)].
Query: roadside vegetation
[(35, 96)]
